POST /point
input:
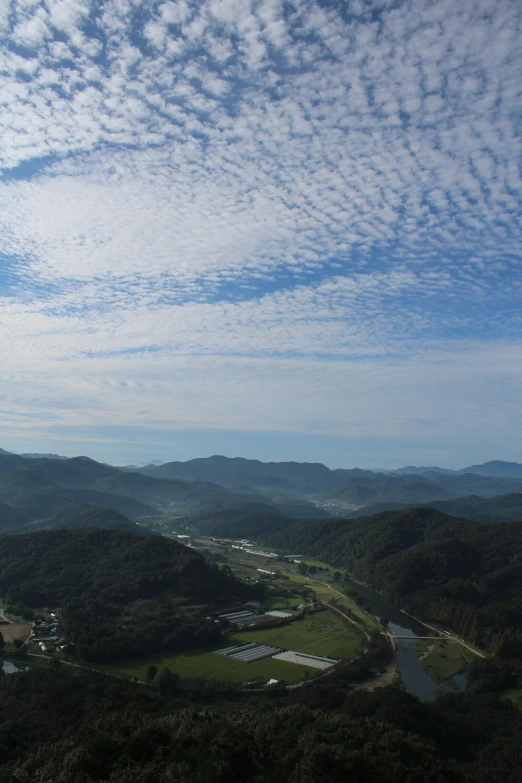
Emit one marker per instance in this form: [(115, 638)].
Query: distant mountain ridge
[(35, 456), (495, 468), (38, 489), (500, 508), (347, 487)]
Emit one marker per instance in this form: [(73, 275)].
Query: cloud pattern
[(253, 184)]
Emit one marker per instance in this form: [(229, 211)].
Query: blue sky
[(258, 228)]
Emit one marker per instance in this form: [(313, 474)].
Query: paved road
[(451, 637)]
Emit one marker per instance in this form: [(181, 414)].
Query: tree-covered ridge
[(39, 489), (58, 727), (464, 574), (74, 516), (501, 508), (117, 589), (35, 497)]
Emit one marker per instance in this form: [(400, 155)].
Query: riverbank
[(443, 660)]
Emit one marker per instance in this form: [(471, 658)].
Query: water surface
[(415, 679)]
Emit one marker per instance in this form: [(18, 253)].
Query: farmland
[(323, 633), (208, 665), (12, 631)]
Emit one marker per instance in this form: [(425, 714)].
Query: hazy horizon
[(138, 461)]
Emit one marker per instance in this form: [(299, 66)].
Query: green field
[(244, 565), (208, 665), (324, 633), (324, 593), (441, 660)]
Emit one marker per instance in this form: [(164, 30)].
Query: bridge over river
[(438, 638)]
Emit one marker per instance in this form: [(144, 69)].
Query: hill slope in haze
[(354, 487), (83, 516), (36, 498), (501, 508), (494, 468), (292, 477), (236, 523), (39, 488)]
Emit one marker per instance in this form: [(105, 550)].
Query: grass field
[(323, 633), (244, 566), (441, 660), (201, 663), (325, 593)]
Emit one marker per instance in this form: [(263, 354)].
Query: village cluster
[(46, 632)]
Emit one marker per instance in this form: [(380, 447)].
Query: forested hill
[(100, 577), (467, 575), (65, 727), (74, 516), (501, 508), (236, 523), (38, 489)]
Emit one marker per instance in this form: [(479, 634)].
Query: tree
[(167, 682), (151, 672), (2, 642)]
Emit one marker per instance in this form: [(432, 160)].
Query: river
[(415, 679), (9, 667)]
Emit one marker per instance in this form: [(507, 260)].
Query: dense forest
[(74, 516), (465, 575), (501, 508), (58, 727), (120, 593)]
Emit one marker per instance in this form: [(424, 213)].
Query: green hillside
[(500, 508), (465, 575), (119, 591)]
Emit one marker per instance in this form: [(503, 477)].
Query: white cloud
[(422, 401), (237, 179)]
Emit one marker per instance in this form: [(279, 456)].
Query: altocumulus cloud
[(322, 197)]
